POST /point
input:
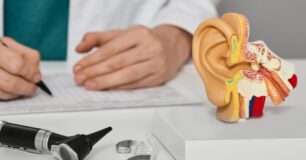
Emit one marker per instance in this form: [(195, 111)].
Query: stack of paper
[(69, 97)]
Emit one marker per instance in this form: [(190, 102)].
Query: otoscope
[(35, 140)]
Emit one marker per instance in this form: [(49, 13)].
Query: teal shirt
[(39, 24)]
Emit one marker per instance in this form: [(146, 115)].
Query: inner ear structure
[(238, 75)]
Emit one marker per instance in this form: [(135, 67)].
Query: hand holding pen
[(19, 70)]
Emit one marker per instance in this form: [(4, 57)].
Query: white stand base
[(194, 133)]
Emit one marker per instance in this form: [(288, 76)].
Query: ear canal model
[(237, 74)]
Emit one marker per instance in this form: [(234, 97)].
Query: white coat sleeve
[(186, 14)]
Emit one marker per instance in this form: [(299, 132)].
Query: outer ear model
[(237, 74)]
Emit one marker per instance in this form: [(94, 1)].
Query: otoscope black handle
[(18, 136), (27, 138)]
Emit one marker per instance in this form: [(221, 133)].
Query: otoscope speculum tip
[(96, 136)]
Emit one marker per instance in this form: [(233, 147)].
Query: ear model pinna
[(238, 75)]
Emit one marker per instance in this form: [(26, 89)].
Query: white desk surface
[(127, 123)]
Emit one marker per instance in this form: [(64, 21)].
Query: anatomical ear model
[(238, 75)]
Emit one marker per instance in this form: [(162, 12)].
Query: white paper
[(69, 97)]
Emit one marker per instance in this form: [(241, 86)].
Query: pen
[(40, 84)]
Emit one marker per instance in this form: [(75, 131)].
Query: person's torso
[(101, 15)]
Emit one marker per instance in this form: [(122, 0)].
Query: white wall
[(280, 23)]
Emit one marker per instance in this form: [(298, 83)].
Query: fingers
[(149, 81), (128, 60), (15, 85), (30, 54), (93, 39), (15, 63), (124, 76), (20, 60), (19, 70), (4, 96), (117, 45), (112, 64)]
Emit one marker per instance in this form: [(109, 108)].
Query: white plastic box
[(194, 133)]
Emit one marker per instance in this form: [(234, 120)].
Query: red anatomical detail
[(293, 81), (258, 106)]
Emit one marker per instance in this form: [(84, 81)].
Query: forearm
[(177, 42)]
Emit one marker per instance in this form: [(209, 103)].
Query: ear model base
[(238, 75)]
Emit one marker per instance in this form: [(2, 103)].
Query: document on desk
[(67, 96)]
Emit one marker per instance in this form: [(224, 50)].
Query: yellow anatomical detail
[(236, 50), (231, 90)]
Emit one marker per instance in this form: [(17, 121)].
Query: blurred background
[(280, 23)]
